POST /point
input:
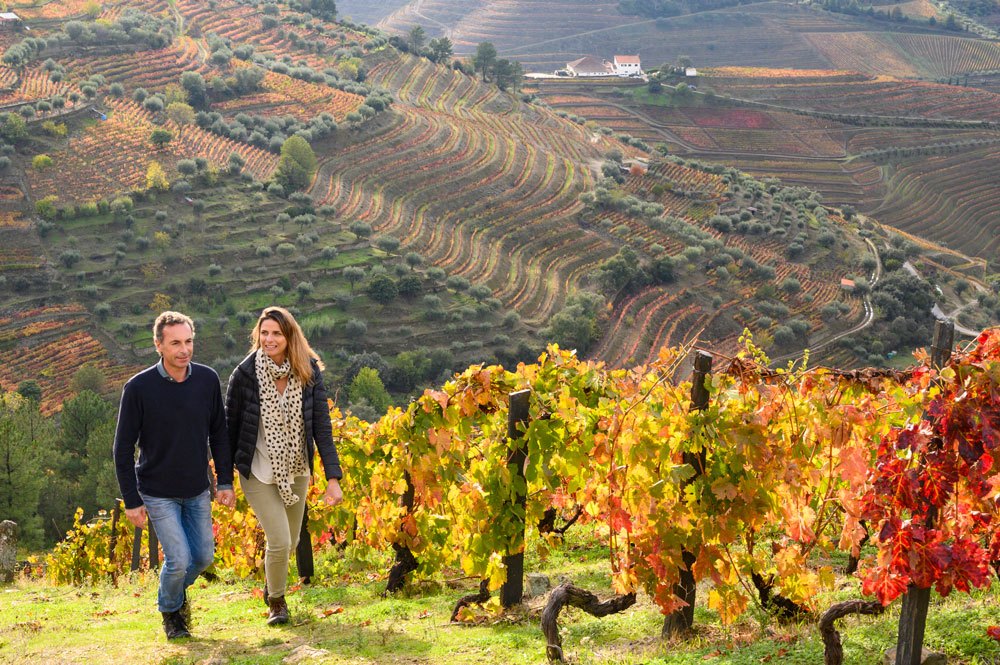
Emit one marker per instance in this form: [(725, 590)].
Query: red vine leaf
[(969, 567), (885, 585)]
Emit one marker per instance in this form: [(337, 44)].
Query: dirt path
[(416, 7), (866, 320), (940, 314)]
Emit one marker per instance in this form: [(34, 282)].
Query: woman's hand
[(333, 495)]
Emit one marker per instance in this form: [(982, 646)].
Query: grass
[(665, 98), (347, 620)]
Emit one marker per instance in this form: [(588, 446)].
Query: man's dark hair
[(170, 319)]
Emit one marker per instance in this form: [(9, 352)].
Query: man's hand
[(226, 497), (333, 494), (137, 516)]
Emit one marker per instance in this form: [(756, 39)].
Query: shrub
[(46, 207), (790, 285), (784, 336)]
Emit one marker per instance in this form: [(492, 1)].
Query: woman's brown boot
[(278, 613)]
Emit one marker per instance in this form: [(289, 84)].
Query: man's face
[(176, 347)]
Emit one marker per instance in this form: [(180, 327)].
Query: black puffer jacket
[(243, 419)]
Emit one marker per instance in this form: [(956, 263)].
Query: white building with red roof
[(627, 65)]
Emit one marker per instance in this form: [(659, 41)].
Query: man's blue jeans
[(184, 528)]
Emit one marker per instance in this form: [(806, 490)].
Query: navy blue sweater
[(171, 423)]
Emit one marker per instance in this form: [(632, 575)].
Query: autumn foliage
[(796, 462), (934, 488)]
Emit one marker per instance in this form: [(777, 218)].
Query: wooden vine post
[(116, 515), (154, 548), (8, 551), (913, 616), (512, 591), (682, 619)]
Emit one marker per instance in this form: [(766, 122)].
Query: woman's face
[(273, 341)]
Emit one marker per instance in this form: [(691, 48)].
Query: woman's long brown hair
[(299, 352)]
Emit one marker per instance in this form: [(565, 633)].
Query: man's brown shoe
[(278, 613)]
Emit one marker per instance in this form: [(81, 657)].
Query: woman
[(276, 411)]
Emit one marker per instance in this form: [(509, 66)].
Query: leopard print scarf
[(284, 431)]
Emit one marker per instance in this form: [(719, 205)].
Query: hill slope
[(448, 222), (916, 155), (546, 35)]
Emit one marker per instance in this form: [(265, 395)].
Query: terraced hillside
[(495, 200), (906, 54), (367, 11), (122, 202), (563, 31), (860, 140), (446, 222), (483, 196), (727, 234), (122, 199), (857, 95), (115, 143), (951, 198), (545, 35), (49, 344)]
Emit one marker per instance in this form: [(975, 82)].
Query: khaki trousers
[(281, 525)]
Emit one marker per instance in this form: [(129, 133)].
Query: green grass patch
[(345, 618)]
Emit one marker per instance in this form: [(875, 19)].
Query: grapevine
[(783, 465)]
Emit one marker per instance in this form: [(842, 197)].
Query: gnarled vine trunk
[(405, 563), (480, 597), (567, 594), (782, 607), (833, 650)]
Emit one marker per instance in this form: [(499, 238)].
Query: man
[(172, 410)]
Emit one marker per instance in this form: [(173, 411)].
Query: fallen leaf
[(333, 610), (423, 615)]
